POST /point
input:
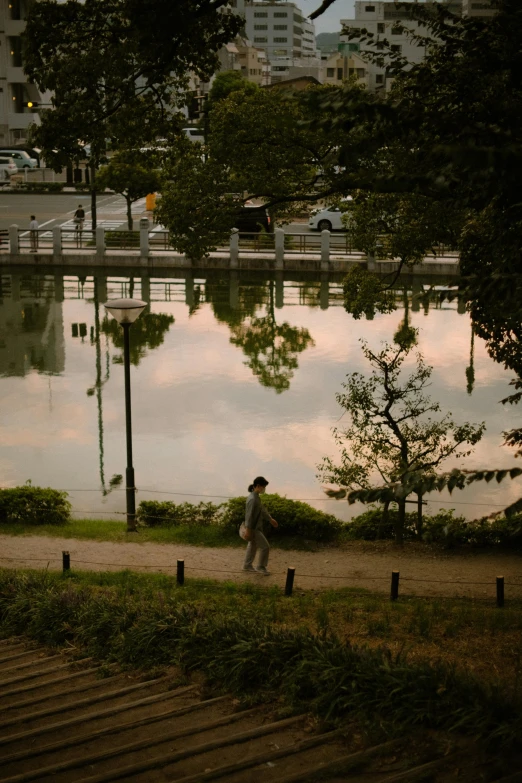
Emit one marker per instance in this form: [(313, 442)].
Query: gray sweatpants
[(258, 542)]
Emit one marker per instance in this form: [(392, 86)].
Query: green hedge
[(294, 517), (154, 513), (34, 506), (442, 528), (43, 187)]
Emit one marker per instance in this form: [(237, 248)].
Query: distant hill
[(327, 42)]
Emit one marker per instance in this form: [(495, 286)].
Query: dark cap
[(260, 482)]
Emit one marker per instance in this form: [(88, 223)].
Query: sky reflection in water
[(231, 378)]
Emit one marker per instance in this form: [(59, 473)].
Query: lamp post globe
[(125, 312)]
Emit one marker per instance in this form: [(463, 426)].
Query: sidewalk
[(421, 573)]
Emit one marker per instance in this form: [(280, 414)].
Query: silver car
[(7, 168)]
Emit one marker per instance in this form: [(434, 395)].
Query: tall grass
[(250, 642)]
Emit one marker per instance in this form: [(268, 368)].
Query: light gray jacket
[(255, 513)]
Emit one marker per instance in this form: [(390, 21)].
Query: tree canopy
[(394, 431), (117, 69)]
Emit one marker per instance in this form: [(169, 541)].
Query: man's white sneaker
[(262, 570), (248, 568)]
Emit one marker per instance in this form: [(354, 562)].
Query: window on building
[(298, 31), (396, 30), (280, 52), (330, 73), (260, 14), (297, 43), (339, 74), (17, 9), (260, 27), (379, 79), (280, 27), (379, 44), (361, 73), (280, 15), (279, 67), (18, 98), (396, 48), (370, 9), (298, 18), (15, 47), (260, 40), (280, 40), (381, 27)]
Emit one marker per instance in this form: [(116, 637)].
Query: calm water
[(232, 377)]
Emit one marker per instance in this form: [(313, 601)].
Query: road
[(58, 210)]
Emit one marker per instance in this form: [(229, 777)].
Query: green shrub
[(154, 513), (370, 526), (442, 528), (122, 239), (44, 187), (507, 532), (34, 506), (295, 518)]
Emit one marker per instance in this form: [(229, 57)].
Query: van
[(251, 219), (21, 158)]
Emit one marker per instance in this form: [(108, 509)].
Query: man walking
[(33, 233)]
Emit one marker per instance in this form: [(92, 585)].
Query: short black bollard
[(66, 560), (180, 574), (290, 573), (500, 591), (394, 586)]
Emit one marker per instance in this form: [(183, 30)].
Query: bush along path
[(30, 506), (101, 731)]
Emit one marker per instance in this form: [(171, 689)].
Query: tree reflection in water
[(272, 349), (147, 333)]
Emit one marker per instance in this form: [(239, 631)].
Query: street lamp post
[(126, 311)]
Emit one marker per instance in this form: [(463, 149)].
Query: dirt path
[(361, 565)]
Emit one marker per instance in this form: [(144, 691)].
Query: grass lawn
[(116, 531), (467, 634), (442, 664)]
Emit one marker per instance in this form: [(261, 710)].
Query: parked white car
[(7, 168), (21, 158), (329, 219), (194, 134)]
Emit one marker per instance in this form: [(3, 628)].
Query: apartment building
[(338, 67), (284, 33), (253, 63), (380, 18), (15, 91)]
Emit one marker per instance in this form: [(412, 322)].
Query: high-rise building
[(283, 32), (380, 17), (15, 91)]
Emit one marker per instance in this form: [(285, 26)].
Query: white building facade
[(380, 18), (478, 8), (15, 91), (285, 34)]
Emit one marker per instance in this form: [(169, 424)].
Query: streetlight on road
[(126, 311)]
